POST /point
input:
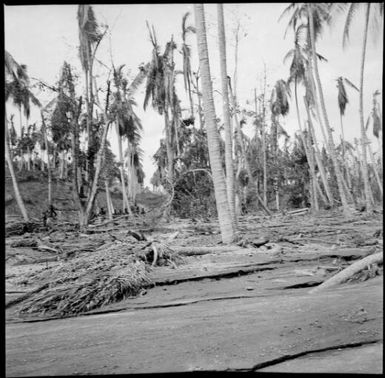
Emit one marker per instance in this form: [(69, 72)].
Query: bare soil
[(243, 308)]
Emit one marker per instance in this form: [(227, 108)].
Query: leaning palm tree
[(224, 215), (314, 17), (317, 15), (17, 89), (378, 12), (298, 75)]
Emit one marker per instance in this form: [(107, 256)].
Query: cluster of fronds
[(87, 282)]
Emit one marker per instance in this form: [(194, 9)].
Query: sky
[(44, 36)]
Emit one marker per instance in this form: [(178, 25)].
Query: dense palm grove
[(206, 163)]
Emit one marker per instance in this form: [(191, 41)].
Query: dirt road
[(288, 330)]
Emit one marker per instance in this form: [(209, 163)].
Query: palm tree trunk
[(49, 171), (170, 154), (374, 167), (226, 115), (42, 168), (32, 159), (125, 204), (175, 123), (62, 164), (369, 207), (98, 166), (319, 190), (108, 200), (264, 157), (319, 160), (224, 215), (308, 152), (201, 122), (29, 159), (65, 165), (19, 199), (88, 125), (380, 152), (328, 128)]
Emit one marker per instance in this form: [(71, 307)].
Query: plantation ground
[(246, 307)]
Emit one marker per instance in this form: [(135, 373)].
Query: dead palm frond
[(342, 95)]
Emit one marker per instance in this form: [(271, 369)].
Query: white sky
[(43, 36)]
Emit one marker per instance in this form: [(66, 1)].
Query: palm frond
[(351, 84), (376, 123), (321, 58), (348, 22), (367, 123)]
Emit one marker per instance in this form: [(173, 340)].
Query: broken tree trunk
[(349, 272)]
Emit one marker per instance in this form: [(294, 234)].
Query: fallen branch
[(299, 211), (26, 295), (194, 251), (109, 221), (46, 248), (349, 272)]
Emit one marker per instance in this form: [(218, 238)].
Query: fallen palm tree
[(86, 282), (94, 279), (350, 271)]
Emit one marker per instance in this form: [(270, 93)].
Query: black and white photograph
[(193, 188)]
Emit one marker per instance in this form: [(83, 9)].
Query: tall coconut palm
[(90, 37), (343, 100), (279, 106), (314, 17), (224, 215), (17, 89), (120, 119), (160, 89), (378, 12), (226, 113), (298, 68), (317, 16)]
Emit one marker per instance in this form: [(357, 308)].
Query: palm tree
[(279, 106), (224, 215), (17, 88), (298, 69), (121, 124), (376, 120), (226, 113), (160, 88), (376, 117), (49, 171), (316, 16), (342, 102), (352, 9), (240, 147), (90, 37), (186, 53)]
